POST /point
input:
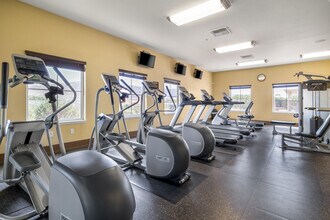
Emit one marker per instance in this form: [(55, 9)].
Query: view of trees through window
[(168, 104), (285, 98), (38, 107), (240, 94), (136, 85)]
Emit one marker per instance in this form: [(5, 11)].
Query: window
[(38, 107), (285, 98), (240, 94), (173, 87), (134, 80)]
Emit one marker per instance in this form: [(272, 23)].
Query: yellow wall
[(24, 27), (262, 91)]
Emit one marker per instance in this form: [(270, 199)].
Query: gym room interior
[(190, 109)]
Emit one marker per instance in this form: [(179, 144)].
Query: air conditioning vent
[(245, 57), (220, 31)]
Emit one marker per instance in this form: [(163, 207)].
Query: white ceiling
[(283, 29)]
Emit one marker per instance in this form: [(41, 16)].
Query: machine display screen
[(26, 66), (110, 79), (206, 94), (152, 85)]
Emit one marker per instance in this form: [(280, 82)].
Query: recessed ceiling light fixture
[(197, 12), (316, 54), (255, 62), (235, 47)]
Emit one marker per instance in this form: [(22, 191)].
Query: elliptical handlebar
[(170, 94), (157, 97), (127, 87), (4, 98), (49, 120)]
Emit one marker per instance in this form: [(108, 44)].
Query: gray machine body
[(318, 100), (26, 136), (166, 154), (200, 139), (81, 185), (88, 185)]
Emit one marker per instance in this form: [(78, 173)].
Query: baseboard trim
[(70, 146)]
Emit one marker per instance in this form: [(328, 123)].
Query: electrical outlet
[(72, 131), (51, 134)]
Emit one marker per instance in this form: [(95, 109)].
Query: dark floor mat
[(163, 189), (220, 160), (13, 199), (230, 149)]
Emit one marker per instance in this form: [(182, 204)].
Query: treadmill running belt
[(163, 189)]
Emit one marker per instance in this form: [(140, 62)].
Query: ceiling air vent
[(247, 57), (220, 31)]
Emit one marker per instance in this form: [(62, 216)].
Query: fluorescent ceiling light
[(316, 54), (235, 47), (256, 62), (199, 11)]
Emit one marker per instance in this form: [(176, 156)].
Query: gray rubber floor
[(259, 182)]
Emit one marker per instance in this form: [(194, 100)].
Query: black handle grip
[(4, 84)]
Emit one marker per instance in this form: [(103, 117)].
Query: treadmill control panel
[(184, 92), (206, 96)]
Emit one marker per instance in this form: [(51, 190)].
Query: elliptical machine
[(166, 153), (199, 138), (81, 185)]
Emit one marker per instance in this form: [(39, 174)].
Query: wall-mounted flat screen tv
[(146, 59), (180, 69), (198, 74)]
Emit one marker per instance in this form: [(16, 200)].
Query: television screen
[(146, 59), (198, 74), (180, 69)]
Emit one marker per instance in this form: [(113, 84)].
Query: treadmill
[(188, 100), (219, 123)]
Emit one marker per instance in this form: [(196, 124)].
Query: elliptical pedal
[(184, 178), (207, 158)]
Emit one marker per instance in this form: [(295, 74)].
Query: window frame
[(176, 83), (273, 100), (240, 87), (132, 75), (69, 64)]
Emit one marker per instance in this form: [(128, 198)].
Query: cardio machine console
[(152, 85), (110, 80), (26, 65), (206, 94), (184, 92)]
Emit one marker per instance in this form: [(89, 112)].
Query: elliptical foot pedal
[(230, 142), (184, 178), (24, 161), (209, 158), (114, 136)]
